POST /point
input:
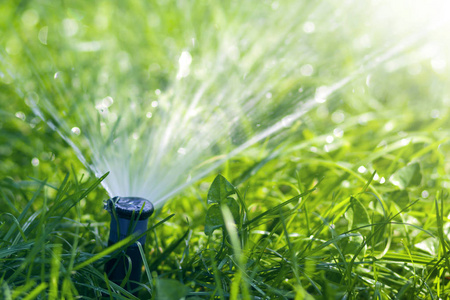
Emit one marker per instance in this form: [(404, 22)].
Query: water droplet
[(149, 115), (32, 99), (157, 92), (35, 162), (20, 115), (382, 144), (123, 58), (368, 79), (321, 94), (107, 101), (5, 79), (101, 108), (135, 136), (425, 194), (405, 141), (275, 5), (182, 151), (76, 130), (30, 18), (382, 180), (34, 122), (307, 70), (268, 95), (402, 134), (57, 75), (345, 183), (300, 90), (362, 120), (438, 64), (92, 46), (155, 103), (435, 114), (362, 169), (338, 132), (13, 46), (389, 126), (329, 139), (70, 27), (309, 27), (184, 62), (233, 52), (43, 34)]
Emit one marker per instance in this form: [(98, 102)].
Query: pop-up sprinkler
[(128, 216)]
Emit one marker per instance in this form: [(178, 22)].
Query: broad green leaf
[(170, 289), (214, 219), (401, 198), (351, 244), (234, 208), (220, 189), (429, 245), (360, 217), (379, 232), (407, 176), (352, 247)]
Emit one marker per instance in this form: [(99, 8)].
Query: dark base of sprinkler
[(128, 216), (117, 267)]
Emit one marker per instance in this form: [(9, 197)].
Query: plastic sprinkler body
[(129, 215)]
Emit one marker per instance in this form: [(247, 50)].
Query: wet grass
[(349, 201), (306, 223)]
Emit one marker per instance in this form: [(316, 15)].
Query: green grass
[(316, 227), (349, 202)]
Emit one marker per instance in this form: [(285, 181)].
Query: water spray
[(129, 216)]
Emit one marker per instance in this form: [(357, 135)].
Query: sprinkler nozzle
[(129, 215)]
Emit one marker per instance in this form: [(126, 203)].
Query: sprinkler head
[(129, 215)]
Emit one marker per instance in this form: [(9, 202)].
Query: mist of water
[(241, 77)]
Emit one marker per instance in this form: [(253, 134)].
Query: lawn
[(292, 149)]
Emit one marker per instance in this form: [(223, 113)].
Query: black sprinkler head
[(129, 215), (129, 207)]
